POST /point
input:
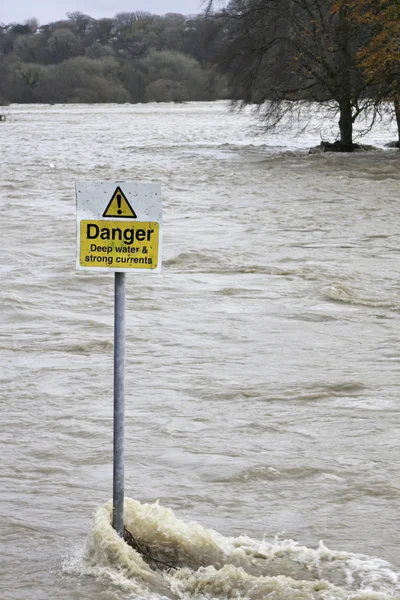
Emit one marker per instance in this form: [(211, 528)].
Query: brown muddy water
[(263, 364)]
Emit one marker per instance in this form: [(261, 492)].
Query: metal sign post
[(119, 229), (119, 402)]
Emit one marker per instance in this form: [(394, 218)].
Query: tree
[(179, 76), (102, 31), (26, 47), (137, 33), (5, 81), (166, 90), (63, 44), (81, 23), (380, 56), (172, 31), (133, 75), (203, 39), (21, 80), (82, 80), (279, 53)]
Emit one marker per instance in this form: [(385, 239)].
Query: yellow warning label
[(123, 245), (119, 206)]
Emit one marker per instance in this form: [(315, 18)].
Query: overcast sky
[(53, 10)]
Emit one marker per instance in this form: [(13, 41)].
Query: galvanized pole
[(119, 374)]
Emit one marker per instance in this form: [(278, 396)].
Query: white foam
[(207, 563)]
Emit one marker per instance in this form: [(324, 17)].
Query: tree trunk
[(397, 113), (346, 124)]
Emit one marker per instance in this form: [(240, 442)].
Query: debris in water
[(147, 553)]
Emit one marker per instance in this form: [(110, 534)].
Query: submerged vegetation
[(274, 54), (148, 553)]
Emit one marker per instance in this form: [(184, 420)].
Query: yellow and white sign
[(119, 226)]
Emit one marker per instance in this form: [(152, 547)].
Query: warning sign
[(119, 207), (103, 243), (110, 240)]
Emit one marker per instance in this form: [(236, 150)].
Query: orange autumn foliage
[(380, 57)]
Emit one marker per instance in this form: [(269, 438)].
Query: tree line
[(278, 55), (133, 57)]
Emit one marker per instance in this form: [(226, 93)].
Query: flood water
[(262, 364)]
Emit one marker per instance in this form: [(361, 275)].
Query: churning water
[(263, 366)]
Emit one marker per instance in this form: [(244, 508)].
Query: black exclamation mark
[(119, 211)]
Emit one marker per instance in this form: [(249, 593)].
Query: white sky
[(53, 10)]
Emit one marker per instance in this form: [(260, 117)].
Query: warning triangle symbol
[(119, 206)]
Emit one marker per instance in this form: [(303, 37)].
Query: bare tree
[(282, 52)]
